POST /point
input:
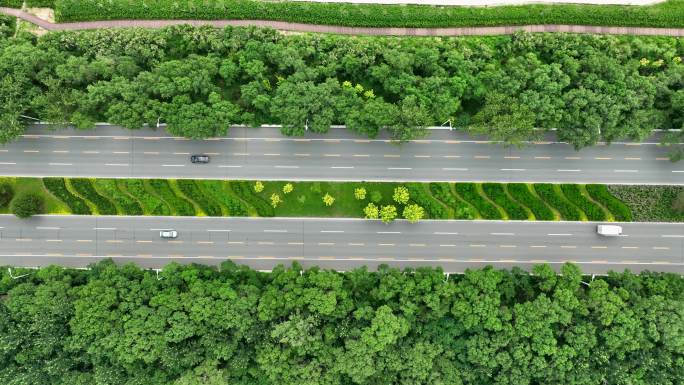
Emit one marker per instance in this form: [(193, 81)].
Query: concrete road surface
[(262, 153), (341, 244)]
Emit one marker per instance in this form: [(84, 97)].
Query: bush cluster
[(600, 193), (243, 189), (200, 81), (6, 193), (85, 189), (555, 199), (497, 193), (179, 205), (151, 203), (469, 193), (217, 189), (26, 205), (521, 193), (669, 14), (110, 188), (193, 192), (649, 203), (194, 324), (574, 194), (40, 3), (58, 188), (11, 3), (434, 209)]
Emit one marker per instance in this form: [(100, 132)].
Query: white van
[(609, 230)]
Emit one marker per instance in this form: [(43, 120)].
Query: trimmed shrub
[(550, 195), (574, 194), (151, 203), (496, 192), (521, 193), (217, 189), (85, 189), (109, 188), (244, 191), (6, 194), (468, 191), (57, 187), (434, 209), (179, 205), (26, 205), (600, 194), (193, 192)]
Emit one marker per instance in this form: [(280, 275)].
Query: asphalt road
[(341, 244), (262, 153)]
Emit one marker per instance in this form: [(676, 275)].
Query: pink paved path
[(301, 27)]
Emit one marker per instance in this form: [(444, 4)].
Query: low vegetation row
[(386, 201), (199, 81), (203, 325), (667, 14)]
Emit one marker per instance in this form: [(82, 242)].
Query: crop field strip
[(494, 201), (666, 14)]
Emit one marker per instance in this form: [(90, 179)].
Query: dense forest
[(201, 325), (200, 80)]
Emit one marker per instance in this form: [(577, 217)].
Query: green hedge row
[(555, 199), (497, 193), (85, 189), (243, 189), (468, 191), (152, 204), (668, 14), (600, 194), (521, 193), (574, 194), (180, 205), (193, 192), (217, 189), (433, 208), (442, 192), (126, 203), (58, 188)]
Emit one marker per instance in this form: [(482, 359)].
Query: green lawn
[(667, 14)]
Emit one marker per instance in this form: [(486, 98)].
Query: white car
[(609, 230), (168, 234)]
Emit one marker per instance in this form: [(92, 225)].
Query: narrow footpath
[(301, 27)]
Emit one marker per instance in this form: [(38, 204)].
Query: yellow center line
[(84, 240)]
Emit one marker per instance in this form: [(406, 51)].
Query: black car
[(199, 158)]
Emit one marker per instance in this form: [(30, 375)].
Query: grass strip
[(243, 189), (592, 211), (555, 199), (190, 189), (86, 190), (650, 203), (497, 193), (433, 208), (179, 205), (522, 193), (126, 204), (600, 194), (152, 204), (58, 188), (666, 14), (222, 194), (468, 191)]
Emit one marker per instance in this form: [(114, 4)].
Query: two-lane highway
[(341, 244), (263, 153)]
